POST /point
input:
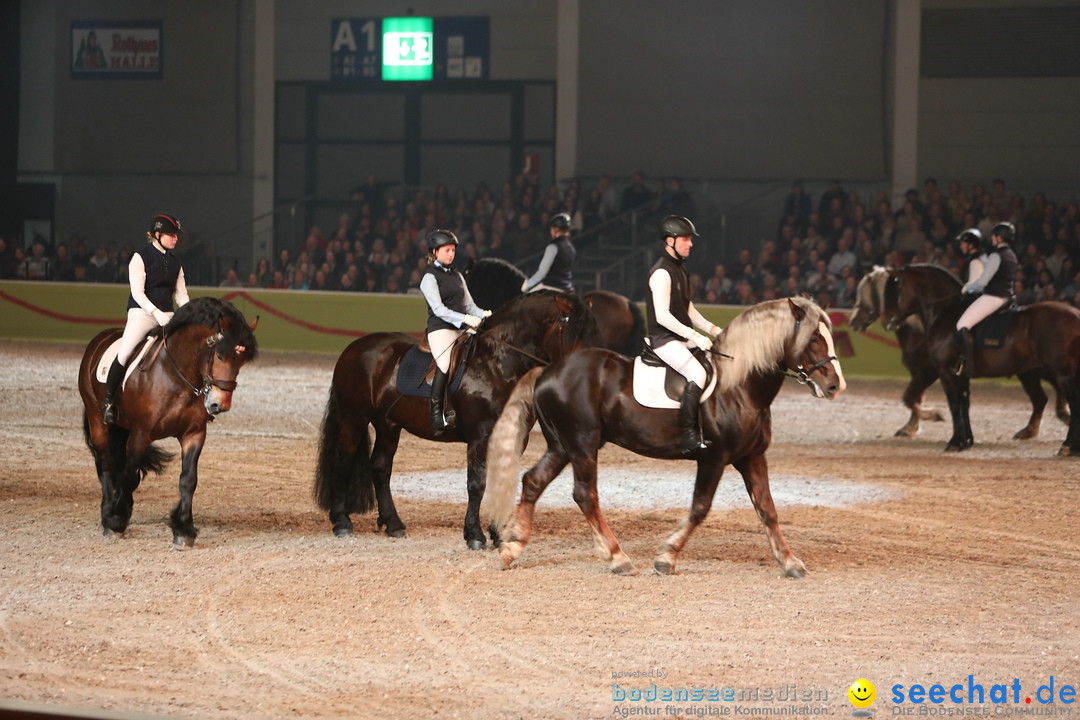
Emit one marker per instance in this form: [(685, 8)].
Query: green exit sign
[(408, 48)]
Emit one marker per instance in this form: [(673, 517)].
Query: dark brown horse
[(911, 335), (353, 475), (586, 400), (493, 282), (172, 392), (1042, 342)]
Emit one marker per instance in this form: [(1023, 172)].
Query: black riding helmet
[(677, 226), (560, 221), (166, 225), (971, 236), (1005, 231), (438, 238)]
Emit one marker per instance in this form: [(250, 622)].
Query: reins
[(801, 374), (207, 379)]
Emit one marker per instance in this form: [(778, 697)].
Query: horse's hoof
[(624, 568), (1024, 434), (477, 545), (399, 533), (343, 532), (903, 432), (958, 446), (110, 534), (1066, 451), (663, 567), (508, 553), (183, 543), (795, 569)]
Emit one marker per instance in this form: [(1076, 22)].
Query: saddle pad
[(649, 387), (107, 357), (412, 370), (990, 333)]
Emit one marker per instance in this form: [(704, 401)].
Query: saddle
[(990, 334), (656, 385), (417, 368), (101, 372)]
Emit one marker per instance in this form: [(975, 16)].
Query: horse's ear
[(253, 323), (797, 311)]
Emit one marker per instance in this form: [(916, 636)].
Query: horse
[(586, 400), (353, 475), (186, 379), (1042, 341), (493, 282), (869, 300)]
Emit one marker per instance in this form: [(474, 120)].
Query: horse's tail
[(635, 343), (343, 479), (153, 459), (505, 445)]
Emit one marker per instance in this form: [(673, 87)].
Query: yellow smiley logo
[(862, 693)]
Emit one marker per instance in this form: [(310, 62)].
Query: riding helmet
[(438, 238), (972, 237), (677, 226), (165, 224), (1005, 231), (560, 221)]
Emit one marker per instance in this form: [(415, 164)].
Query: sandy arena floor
[(925, 567)]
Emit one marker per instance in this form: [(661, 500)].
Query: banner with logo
[(116, 49)]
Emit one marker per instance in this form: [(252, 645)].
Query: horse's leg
[(475, 484), (586, 497), (1062, 405), (1071, 390), (97, 437), (921, 379), (705, 484), (1032, 384), (181, 520), (536, 479), (382, 465), (755, 472), (958, 392)]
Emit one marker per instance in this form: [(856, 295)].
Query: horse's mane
[(522, 312), (209, 311), (493, 282), (934, 274), (755, 338)]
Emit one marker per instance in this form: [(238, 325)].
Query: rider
[(673, 323), (972, 258), (450, 306), (995, 284), (156, 277), (558, 259)]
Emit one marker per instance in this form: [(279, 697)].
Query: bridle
[(558, 326), (206, 373), (802, 374)]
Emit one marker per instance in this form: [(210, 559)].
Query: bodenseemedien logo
[(862, 694)]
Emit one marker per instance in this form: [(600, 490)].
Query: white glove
[(471, 320), (966, 289), (525, 285), (704, 342), (486, 314), (163, 318)]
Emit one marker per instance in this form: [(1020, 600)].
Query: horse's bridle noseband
[(802, 374), (206, 376)]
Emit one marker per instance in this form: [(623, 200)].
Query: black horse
[(493, 282), (353, 475), (174, 392), (1042, 341)]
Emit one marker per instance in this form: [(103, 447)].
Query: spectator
[(264, 276), (232, 280), (797, 208), (36, 265), (636, 194), (7, 261), (63, 265)]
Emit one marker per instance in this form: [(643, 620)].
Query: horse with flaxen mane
[(183, 383), (353, 475), (493, 282), (587, 400), (1039, 342)]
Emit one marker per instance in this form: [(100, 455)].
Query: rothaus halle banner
[(116, 49)]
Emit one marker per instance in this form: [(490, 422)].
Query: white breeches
[(441, 341), (983, 307), (677, 355), (139, 325)]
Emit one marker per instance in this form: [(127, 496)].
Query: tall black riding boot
[(689, 420), (112, 385), (439, 421), (966, 363)]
